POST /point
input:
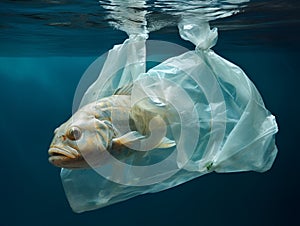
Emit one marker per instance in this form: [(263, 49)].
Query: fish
[(111, 125)]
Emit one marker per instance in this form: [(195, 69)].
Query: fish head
[(83, 137)]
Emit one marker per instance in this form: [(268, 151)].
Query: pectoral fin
[(166, 143), (133, 140), (128, 138)]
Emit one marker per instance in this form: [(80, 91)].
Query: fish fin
[(166, 143), (133, 138), (128, 138), (124, 90)]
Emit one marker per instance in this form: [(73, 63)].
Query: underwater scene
[(135, 112)]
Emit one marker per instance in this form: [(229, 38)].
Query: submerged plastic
[(215, 115)]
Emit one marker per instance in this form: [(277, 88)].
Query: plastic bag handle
[(198, 32)]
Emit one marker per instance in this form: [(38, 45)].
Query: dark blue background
[(36, 96)]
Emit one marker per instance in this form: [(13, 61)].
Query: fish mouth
[(62, 153)]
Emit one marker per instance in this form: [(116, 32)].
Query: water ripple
[(58, 25)]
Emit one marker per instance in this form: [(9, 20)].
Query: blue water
[(38, 77)]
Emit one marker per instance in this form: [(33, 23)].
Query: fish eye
[(74, 133)]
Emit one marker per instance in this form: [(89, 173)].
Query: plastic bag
[(215, 116)]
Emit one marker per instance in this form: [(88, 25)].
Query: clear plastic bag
[(215, 116)]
